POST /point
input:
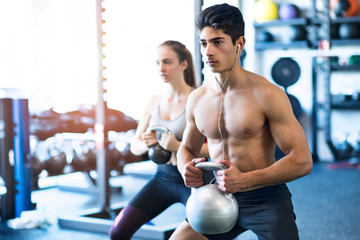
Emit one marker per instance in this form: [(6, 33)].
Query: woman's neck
[(178, 91)]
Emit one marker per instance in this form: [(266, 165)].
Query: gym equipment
[(349, 31), (344, 8), (7, 157), (79, 162), (296, 106), (354, 60), (209, 210), (285, 72), (341, 141), (22, 166), (264, 36), (265, 10), (15, 165), (47, 123), (3, 189), (93, 220), (156, 153), (100, 219), (288, 11), (37, 166), (296, 33), (334, 31), (113, 155), (56, 163)]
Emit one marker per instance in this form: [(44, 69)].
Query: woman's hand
[(149, 138), (169, 142)]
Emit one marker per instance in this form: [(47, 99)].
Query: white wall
[(49, 50), (135, 29)]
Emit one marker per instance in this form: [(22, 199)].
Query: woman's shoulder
[(152, 103), (154, 99)]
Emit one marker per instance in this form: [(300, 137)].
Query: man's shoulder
[(262, 84), (264, 89), (201, 91)]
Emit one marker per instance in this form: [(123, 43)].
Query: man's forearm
[(183, 157)]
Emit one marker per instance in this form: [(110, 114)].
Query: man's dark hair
[(222, 16)]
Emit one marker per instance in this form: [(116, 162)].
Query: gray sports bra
[(176, 126)]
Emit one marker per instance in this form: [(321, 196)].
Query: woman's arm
[(143, 139)]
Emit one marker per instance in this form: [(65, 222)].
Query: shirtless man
[(243, 116)]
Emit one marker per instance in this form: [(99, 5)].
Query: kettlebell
[(210, 210), (156, 153)]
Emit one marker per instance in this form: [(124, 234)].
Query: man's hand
[(230, 180), (193, 175), (169, 142)]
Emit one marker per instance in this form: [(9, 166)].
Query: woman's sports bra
[(176, 126)]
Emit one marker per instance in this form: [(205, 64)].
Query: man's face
[(218, 51)]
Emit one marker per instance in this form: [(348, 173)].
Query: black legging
[(164, 189)]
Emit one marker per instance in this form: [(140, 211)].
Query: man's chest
[(235, 115)]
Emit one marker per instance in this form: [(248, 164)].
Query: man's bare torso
[(244, 127)]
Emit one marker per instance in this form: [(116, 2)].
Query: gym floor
[(326, 203)]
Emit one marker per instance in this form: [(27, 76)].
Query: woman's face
[(168, 64)]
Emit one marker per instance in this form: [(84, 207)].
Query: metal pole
[(101, 181), (197, 55)]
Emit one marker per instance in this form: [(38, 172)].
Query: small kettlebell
[(156, 153), (210, 210)]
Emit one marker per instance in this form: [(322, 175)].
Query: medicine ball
[(265, 10), (264, 36), (349, 31), (296, 33), (344, 8), (288, 11)]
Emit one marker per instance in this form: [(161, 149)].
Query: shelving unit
[(281, 23), (318, 24), (340, 103), (345, 102), (274, 45)]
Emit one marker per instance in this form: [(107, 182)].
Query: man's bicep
[(192, 139), (285, 128)]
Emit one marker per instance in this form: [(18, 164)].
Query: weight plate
[(285, 72)]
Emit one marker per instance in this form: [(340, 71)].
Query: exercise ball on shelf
[(296, 33), (264, 36), (344, 8), (349, 31), (288, 11), (265, 10)]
